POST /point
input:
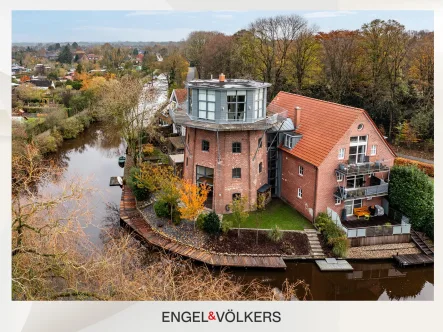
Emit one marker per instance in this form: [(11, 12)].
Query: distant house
[(178, 103), (139, 58), (16, 69), (93, 57), (43, 83), (51, 56), (41, 69)]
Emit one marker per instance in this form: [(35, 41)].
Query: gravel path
[(383, 250), (184, 232)]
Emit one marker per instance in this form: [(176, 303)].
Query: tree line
[(381, 67)]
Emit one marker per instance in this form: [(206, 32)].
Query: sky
[(111, 26)]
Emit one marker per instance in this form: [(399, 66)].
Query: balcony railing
[(362, 169), (182, 118), (362, 192), (382, 230)]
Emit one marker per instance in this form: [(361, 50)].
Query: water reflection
[(93, 156), (370, 281)]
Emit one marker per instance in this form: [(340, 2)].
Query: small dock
[(332, 264), (113, 181), (413, 260)]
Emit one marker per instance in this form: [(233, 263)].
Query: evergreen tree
[(74, 45), (65, 55), (135, 52), (79, 68)]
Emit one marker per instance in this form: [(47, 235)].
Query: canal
[(93, 155)]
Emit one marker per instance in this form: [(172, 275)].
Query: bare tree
[(131, 106), (273, 39), (303, 55)]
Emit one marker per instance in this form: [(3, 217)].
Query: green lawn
[(277, 213)]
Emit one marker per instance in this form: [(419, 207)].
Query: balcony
[(187, 120), (362, 192), (362, 169)]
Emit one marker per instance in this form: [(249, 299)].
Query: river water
[(94, 155)]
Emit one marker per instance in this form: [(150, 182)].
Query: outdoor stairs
[(314, 242), (422, 242)]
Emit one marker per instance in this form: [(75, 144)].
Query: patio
[(354, 222)]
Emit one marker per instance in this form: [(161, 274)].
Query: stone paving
[(382, 251)]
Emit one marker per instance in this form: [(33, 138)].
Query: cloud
[(329, 14), (224, 16)]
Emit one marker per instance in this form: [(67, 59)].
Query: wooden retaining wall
[(375, 240), (130, 216)]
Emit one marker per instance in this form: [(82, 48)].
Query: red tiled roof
[(322, 125), (181, 95)]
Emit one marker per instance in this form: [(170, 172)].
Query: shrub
[(71, 127), (333, 235), (85, 119), (412, 193), (427, 168), (275, 234), (200, 220), (139, 193), (161, 209), (321, 220), (46, 143), (340, 246), (176, 217), (226, 225), (211, 223)]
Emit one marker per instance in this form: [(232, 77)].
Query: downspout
[(249, 168), (315, 195)]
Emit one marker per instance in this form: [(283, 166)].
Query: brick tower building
[(226, 143)]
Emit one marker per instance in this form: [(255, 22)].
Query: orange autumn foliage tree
[(193, 199)]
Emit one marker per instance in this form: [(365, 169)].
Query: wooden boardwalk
[(413, 260), (134, 219)]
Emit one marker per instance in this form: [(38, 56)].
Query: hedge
[(411, 192), (425, 167), (334, 236)]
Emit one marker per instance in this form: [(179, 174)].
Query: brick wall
[(327, 181), (291, 181), (224, 185)]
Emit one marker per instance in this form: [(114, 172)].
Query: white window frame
[(299, 193), (341, 153), (352, 204), (300, 170), (362, 141), (373, 150), (206, 104), (258, 103), (337, 201), (340, 177)]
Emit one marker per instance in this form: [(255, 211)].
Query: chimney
[(297, 116), (221, 77)]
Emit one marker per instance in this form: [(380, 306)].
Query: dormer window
[(290, 141)]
